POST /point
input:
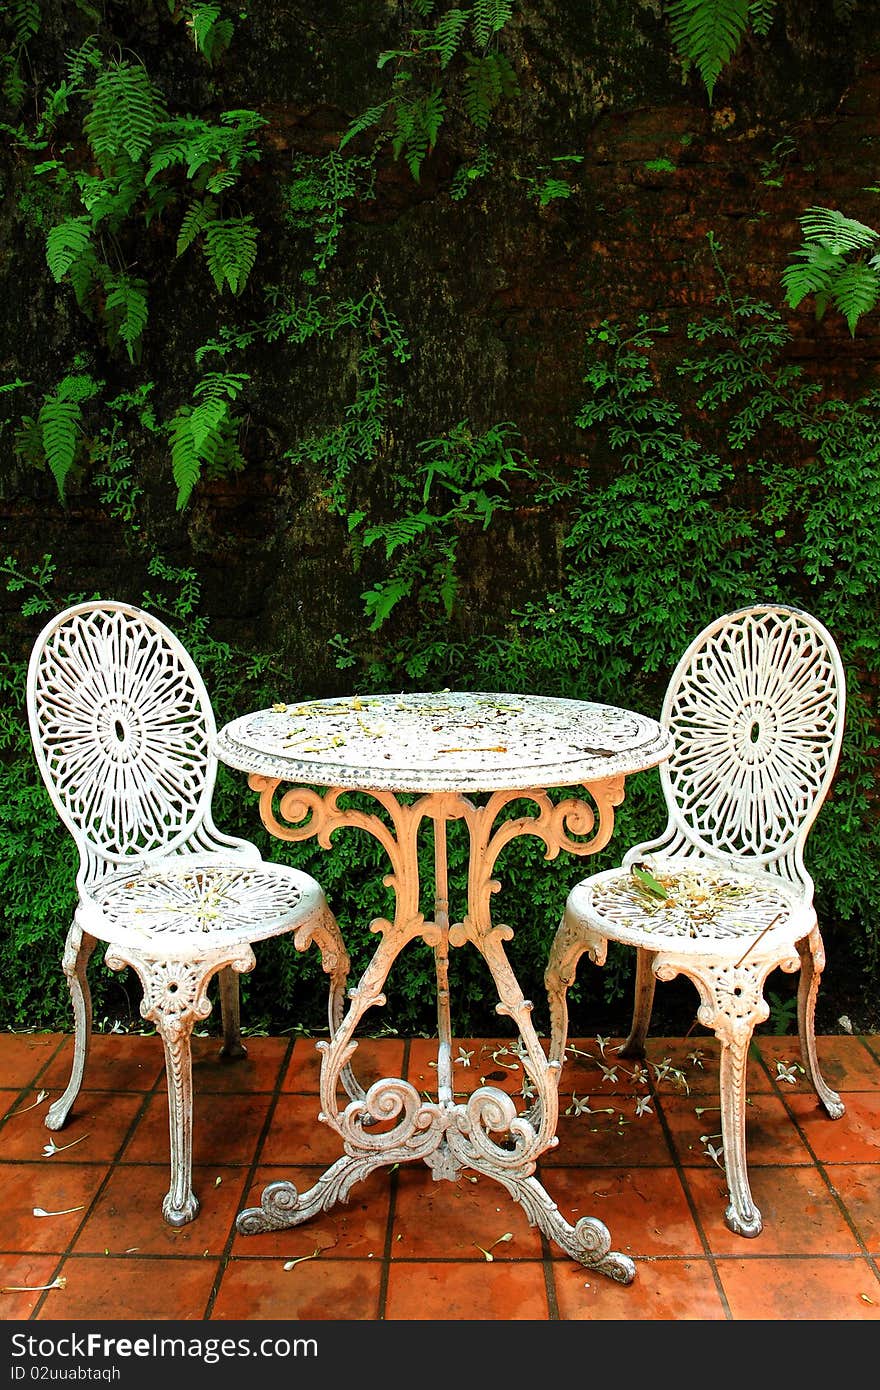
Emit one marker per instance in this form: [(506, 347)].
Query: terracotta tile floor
[(408, 1248)]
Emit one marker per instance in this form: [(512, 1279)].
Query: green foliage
[(430, 70), (838, 263), (204, 435), (318, 193), (54, 439), (211, 32), (464, 479), (707, 33)]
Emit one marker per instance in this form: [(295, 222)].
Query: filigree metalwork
[(391, 1122), (123, 735), (756, 707)]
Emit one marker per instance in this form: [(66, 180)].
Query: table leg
[(391, 1122)]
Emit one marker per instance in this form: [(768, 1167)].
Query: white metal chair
[(756, 709), (123, 731)]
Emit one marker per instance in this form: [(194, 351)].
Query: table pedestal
[(391, 1122)]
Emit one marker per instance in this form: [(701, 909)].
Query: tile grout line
[(226, 1253)]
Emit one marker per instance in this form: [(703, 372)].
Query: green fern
[(203, 435), (761, 15), (707, 33), (489, 18), (447, 35), (231, 251), (125, 308), (67, 243), (211, 33), (59, 421), (125, 109), (855, 291), (487, 80), (834, 265)]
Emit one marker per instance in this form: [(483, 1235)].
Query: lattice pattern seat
[(756, 708), (123, 734)]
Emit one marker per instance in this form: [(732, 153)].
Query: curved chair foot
[(180, 1215), (742, 1224), (812, 957)]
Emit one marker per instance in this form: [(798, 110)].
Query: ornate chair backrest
[(756, 707), (122, 729)]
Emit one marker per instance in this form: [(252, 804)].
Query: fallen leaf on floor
[(58, 1283), (489, 1256), (289, 1264), (25, 1108), (53, 1148)]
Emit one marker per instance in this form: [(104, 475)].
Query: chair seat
[(196, 904), (706, 909)]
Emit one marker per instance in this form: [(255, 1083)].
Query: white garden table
[(424, 758)]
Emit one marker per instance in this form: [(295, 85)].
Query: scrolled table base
[(391, 1122)]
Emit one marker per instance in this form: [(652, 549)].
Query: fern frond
[(126, 310), (79, 387), (812, 271), (194, 219), (66, 243), (761, 14), (486, 81), (707, 33), (58, 421), (855, 291), (186, 463), (125, 111), (25, 16), (836, 232), (372, 116), (231, 251), (211, 34), (447, 34), (489, 18)]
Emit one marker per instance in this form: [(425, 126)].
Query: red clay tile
[(117, 1062), (459, 1220), (858, 1187), (845, 1062), (226, 1129), (457, 1292), (373, 1058), (95, 1130), (644, 1209), (854, 1138), (102, 1289), (258, 1071), (590, 1069), (770, 1135), (314, 1290), (54, 1187), (25, 1056), (799, 1213), (665, 1290), (296, 1135), (612, 1132), (127, 1218), (21, 1278), (475, 1062), (808, 1290), (352, 1230)]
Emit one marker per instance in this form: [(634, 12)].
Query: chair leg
[(643, 1003), (230, 1014), (731, 1004), (175, 999), (77, 952), (812, 954), (572, 939)]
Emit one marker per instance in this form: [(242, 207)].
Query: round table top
[(445, 741)]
